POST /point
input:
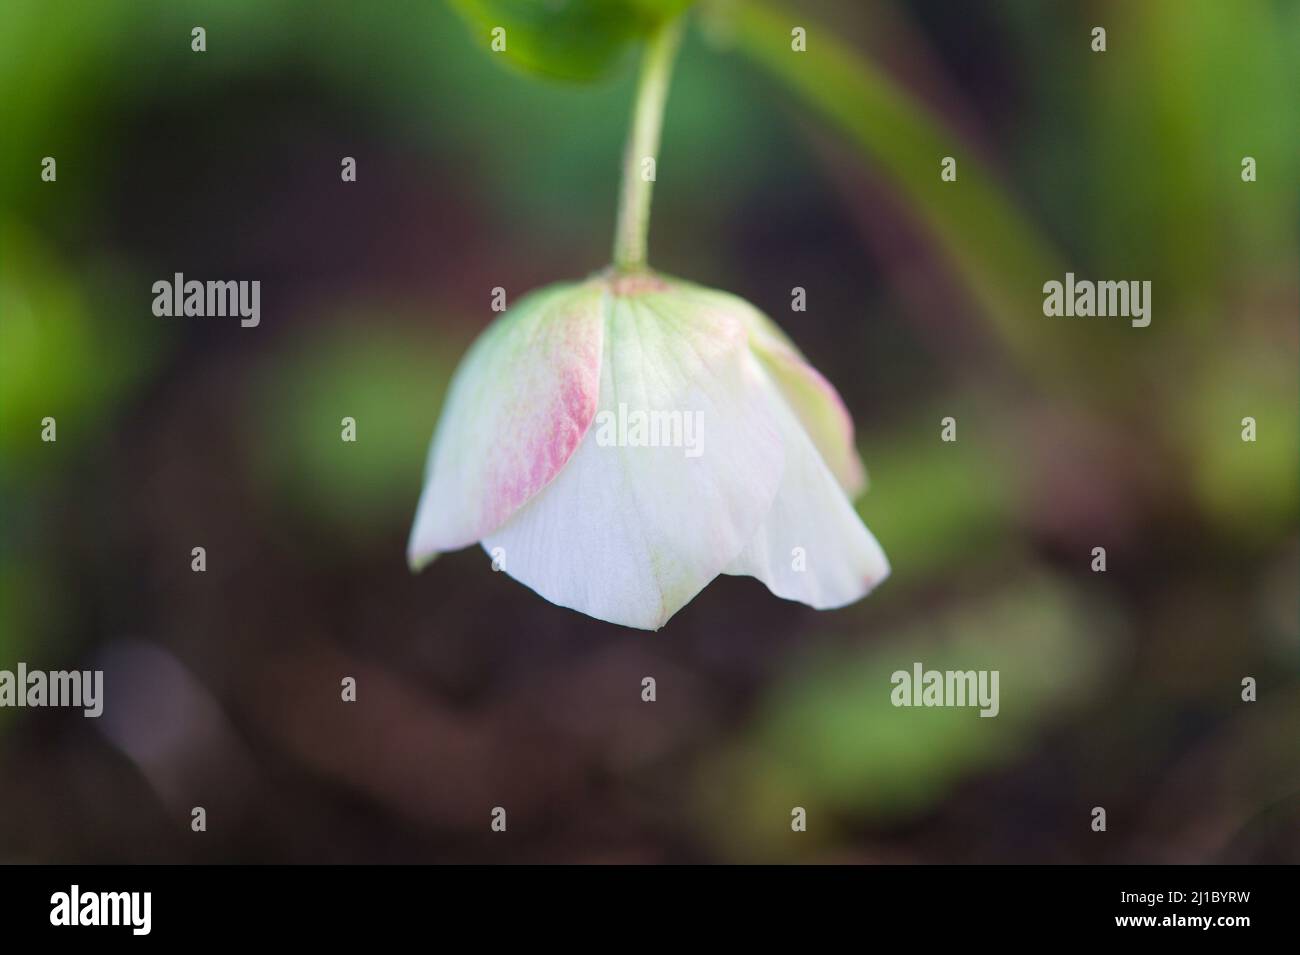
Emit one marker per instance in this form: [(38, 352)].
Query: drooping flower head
[(616, 444)]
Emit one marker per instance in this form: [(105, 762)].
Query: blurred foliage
[(391, 382), (997, 250), (1248, 488), (933, 505), (62, 358), (572, 39), (56, 358), (830, 739)]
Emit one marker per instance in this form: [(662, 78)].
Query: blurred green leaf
[(1247, 487), (829, 738), (57, 358), (998, 252), (576, 40), (391, 382), (935, 505)]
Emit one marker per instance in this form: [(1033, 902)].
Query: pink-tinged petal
[(812, 546), (814, 399), (630, 534), (518, 407)]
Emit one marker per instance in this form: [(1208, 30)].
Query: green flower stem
[(642, 144)]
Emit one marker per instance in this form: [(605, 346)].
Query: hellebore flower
[(617, 443)]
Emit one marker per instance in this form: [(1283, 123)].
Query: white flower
[(618, 443)]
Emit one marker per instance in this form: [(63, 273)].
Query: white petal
[(516, 411), (631, 534), (813, 399), (812, 547)]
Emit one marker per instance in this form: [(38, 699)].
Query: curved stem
[(643, 144)]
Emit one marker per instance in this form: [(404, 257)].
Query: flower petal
[(813, 399), (516, 411), (812, 547), (630, 534)]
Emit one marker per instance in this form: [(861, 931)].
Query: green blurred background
[(778, 169)]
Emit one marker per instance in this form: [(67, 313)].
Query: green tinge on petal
[(813, 399)]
